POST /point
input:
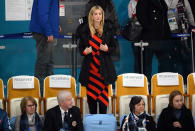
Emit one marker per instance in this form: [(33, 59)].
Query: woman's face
[(178, 102), (139, 108), (97, 15), (30, 108)]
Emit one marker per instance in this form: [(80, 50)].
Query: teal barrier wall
[(17, 56)]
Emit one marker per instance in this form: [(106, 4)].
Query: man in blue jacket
[(4, 121), (44, 25)]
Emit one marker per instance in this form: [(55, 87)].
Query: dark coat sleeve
[(188, 123), (83, 34), (150, 124), (107, 68), (162, 122), (77, 118), (142, 13), (48, 126), (108, 38), (53, 120), (192, 4)]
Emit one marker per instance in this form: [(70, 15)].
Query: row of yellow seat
[(118, 101), (158, 99), (14, 96)]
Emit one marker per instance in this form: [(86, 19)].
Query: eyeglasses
[(32, 105)]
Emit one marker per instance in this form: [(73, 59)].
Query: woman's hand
[(88, 50), (104, 47), (177, 124)]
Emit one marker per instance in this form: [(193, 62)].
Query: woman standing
[(176, 117), (29, 120), (97, 71)]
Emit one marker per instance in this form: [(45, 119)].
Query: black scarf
[(24, 122)]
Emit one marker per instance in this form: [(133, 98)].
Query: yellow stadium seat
[(50, 93), (2, 99), (15, 95), (84, 105), (191, 92), (124, 94), (160, 93)]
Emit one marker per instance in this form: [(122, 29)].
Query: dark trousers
[(44, 62), (182, 57), (93, 106), (162, 50)]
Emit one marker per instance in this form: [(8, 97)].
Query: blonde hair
[(91, 23)]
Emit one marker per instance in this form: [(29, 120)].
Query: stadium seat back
[(55, 83), (19, 87)]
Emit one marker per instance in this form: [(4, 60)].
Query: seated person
[(176, 117), (63, 116), (4, 121), (29, 120), (137, 120)]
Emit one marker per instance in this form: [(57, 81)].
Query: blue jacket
[(4, 121), (45, 17)]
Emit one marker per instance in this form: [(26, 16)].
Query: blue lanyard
[(29, 129), (179, 115)]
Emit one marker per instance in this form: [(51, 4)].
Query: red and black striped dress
[(96, 88)]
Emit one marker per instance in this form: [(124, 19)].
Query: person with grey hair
[(65, 116)]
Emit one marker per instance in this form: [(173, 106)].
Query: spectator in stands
[(97, 72), (152, 14), (137, 119), (63, 116), (4, 121), (176, 117), (44, 26), (180, 19), (29, 120)]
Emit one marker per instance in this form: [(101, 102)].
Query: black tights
[(93, 106)]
